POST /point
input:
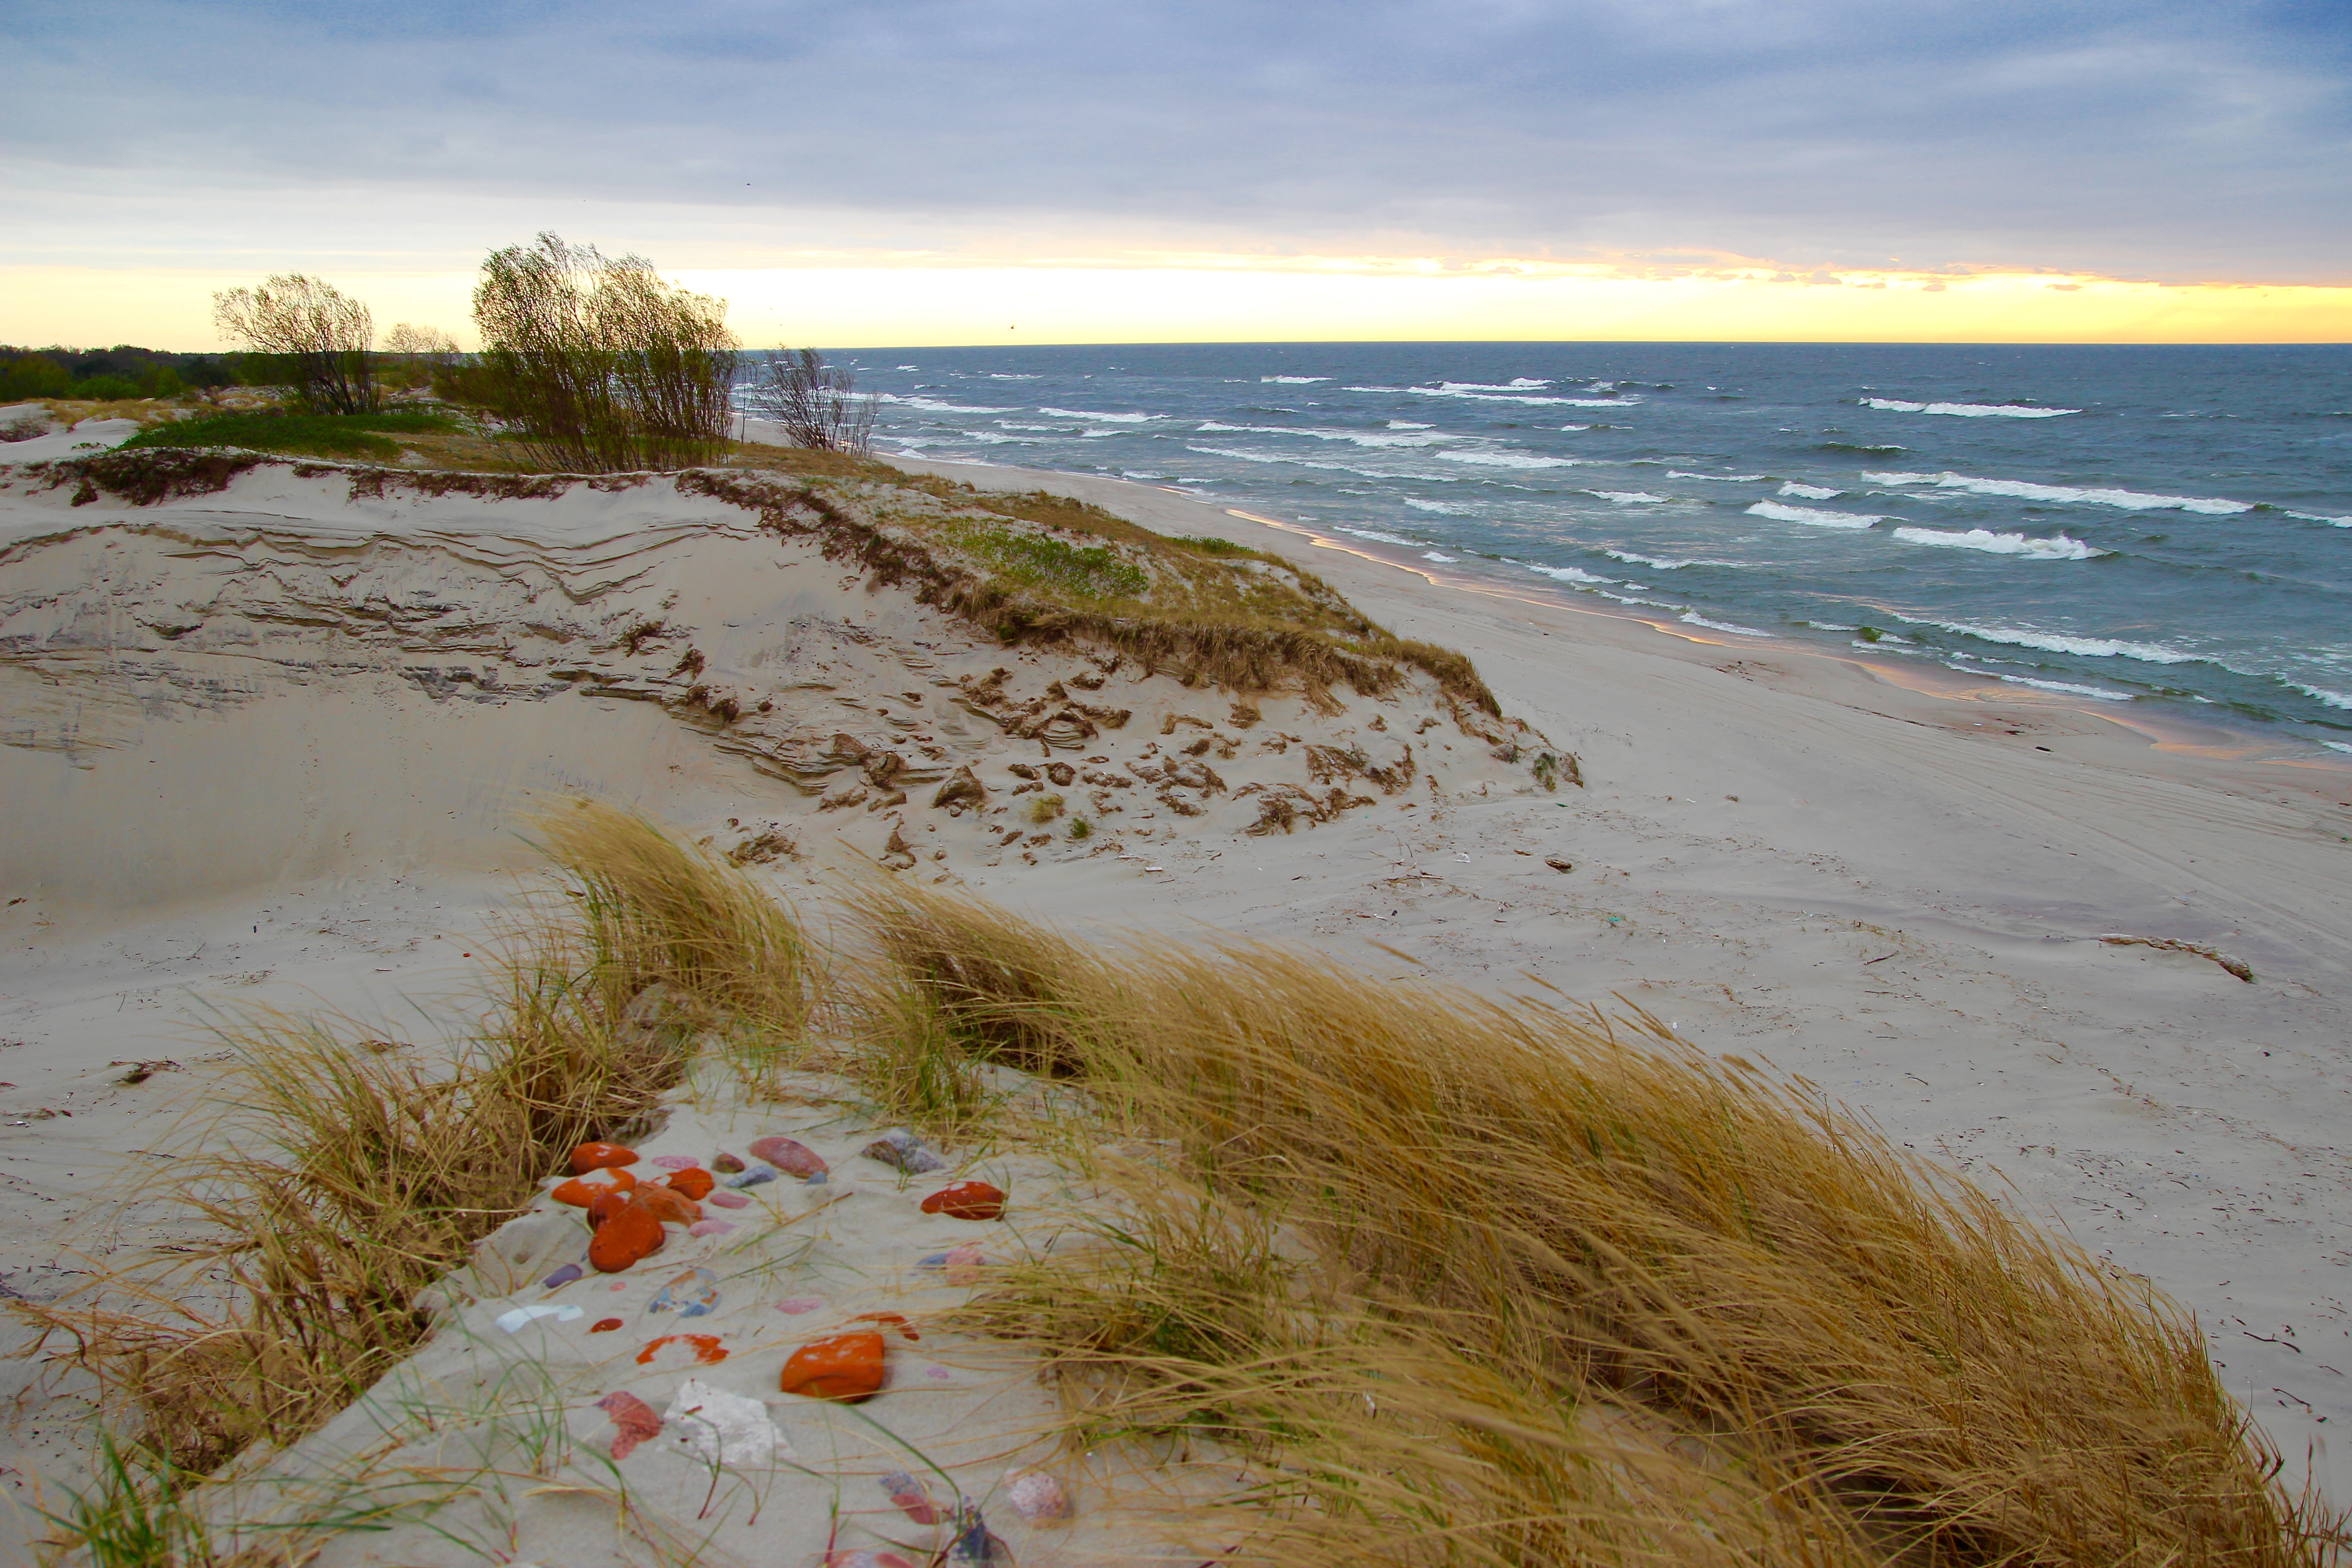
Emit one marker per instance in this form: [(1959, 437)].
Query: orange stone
[(708, 1351), (605, 1205), (667, 1204), (603, 1325), (580, 1191), (694, 1181), (634, 1233), (600, 1156), (967, 1200), (847, 1367)]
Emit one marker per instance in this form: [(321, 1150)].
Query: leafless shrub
[(816, 403), (318, 335)]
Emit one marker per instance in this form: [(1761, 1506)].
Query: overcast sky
[(2176, 140)]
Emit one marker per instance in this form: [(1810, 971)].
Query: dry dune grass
[(1445, 1281), (1560, 1294)]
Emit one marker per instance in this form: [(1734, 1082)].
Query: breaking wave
[(2020, 544)]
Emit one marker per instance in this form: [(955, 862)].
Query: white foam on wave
[(1510, 459), (1434, 555), (1090, 413), (2335, 746), (1780, 514), (1517, 383), (1407, 425), (996, 374), (1630, 498), (2068, 687), (1356, 437), (1473, 396), (1299, 462), (2021, 489), (2020, 544), (1377, 537), (1968, 410), (1576, 427), (1693, 618), (1419, 505), (1810, 492), (2332, 698), (1599, 401), (2059, 642), (934, 405), (1720, 479), (1569, 574), (1655, 563), (1292, 379), (2321, 517)]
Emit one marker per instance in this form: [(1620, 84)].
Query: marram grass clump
[(1436, 1280)]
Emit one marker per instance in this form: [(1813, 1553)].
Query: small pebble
[(603, 1325), (903, 1150), (729, 1201), (757, 1175), (521, 1317), (909, 1496), (967, 1200), (1037, 1497), (564, 1275), (799, 1304), (725, 1164), (709, 1228), (634, 1418), (789, 1155)]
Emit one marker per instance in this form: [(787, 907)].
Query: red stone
[(600, 1156), (694, 1181), (634, 1233), (580, 1191), (667, 1204), (967, 1200), (605, 1205), (789, 1155), (847, 1367), (603, 1325), (708, 1351)]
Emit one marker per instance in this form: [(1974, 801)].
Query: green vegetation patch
[(319, 434), (1041, 561)]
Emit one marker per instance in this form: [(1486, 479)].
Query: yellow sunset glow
[(874, 301)]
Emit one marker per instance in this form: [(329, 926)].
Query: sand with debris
[(272, 744)]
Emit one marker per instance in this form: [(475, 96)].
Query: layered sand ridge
[(274, 739)]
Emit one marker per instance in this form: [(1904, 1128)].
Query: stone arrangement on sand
[(727, 1333)]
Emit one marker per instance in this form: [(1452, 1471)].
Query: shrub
[(308, 334), (322, 434), (816, 403), (599, 364)]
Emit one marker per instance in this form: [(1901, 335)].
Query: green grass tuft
[(319, 434)]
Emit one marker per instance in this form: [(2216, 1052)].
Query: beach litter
[(521, 1317), (909, 1496), (706, 1349), (693, 1294)]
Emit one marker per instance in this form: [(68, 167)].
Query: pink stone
[(671, 1162), (799, 1304), (709, 1228), (1037, 1497), (729, 1200)]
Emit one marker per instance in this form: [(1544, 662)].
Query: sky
[(916, 171)]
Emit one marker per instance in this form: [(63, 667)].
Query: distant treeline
[(107, 374)]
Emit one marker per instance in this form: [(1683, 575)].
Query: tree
[(417, 353), (817, 404), (311, 335), (598, 363)]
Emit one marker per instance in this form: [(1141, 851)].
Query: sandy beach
[(273, 746)]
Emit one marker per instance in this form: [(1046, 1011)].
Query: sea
[(2161, 529)]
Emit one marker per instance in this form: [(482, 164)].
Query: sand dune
[(273, 744)]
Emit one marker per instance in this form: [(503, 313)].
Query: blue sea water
[(2169, 527)]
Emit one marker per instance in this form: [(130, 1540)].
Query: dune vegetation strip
[(1449, 1281), (1033, 569)]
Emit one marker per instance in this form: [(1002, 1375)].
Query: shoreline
[(2168, 735)]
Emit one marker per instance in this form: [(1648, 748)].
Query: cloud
[(2162, 138)]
